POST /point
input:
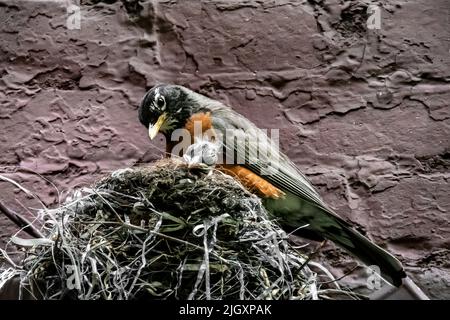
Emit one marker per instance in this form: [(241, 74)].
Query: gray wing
[(262, 156)]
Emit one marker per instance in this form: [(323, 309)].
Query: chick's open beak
[(153, 129)]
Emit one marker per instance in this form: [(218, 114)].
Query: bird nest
[(165, 231)]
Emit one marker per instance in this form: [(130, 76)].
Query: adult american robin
[(286, 192)]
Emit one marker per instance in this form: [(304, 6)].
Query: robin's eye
[(161, 102)]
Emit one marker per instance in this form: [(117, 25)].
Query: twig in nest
[(313, 254), (20, 221)]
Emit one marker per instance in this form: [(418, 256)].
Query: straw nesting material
[(167, 230)]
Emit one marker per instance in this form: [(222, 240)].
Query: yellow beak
[(153, 129)]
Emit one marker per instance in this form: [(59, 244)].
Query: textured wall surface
[(364, 113)]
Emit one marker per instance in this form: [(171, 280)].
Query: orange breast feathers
[(199, 124), (250, 180)]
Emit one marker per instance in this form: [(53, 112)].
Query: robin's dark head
[(167, 107)]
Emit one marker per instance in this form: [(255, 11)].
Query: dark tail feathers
[(369, 253)]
